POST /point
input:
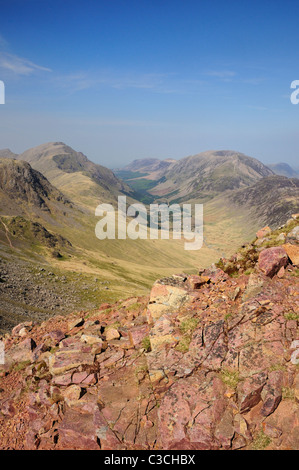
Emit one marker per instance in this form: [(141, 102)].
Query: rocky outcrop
[(272, 260), (21, 182), (206, 362)]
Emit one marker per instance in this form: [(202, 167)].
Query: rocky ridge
[(20, 182), (206, 362)]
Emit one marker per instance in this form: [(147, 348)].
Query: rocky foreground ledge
[(207, 362)]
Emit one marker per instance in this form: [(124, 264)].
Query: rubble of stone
[(207, 361)]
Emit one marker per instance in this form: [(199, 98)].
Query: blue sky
[(120, 80)]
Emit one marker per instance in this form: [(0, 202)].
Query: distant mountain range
[(48, 196), (225, 178), (283, 169), (205, 177)]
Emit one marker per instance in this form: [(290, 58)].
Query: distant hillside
[(80, 179), (149, 165), (199, 177), (40, 227), (207, 174), (50, 259), (142, 175), (283, 169), (270, 200), (6, 153)]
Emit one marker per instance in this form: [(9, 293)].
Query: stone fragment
[(249, 391), (20, 353), (72, 394), (111, 334), (195, 282), (75, 323), (293, 253), (264, 232), (164, 299), (272, 259)]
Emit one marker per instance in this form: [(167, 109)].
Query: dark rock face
[(272, 200), (19, 181), (207, 362)]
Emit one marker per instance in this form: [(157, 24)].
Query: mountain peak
[(7, 153), (283, 169), (209, 173), (57, 160)]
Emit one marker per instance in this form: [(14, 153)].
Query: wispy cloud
[(16, 65), (254, 81), (19, 65), (160, 83), (257, 108), (221, 74), (85, 80)]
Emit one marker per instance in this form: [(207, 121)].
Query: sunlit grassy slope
[(130, 266)]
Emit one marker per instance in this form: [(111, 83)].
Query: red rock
[(137, 334), (57, 335), (77, 431), (78, 377), (195, 282), (65, 379), (7, 408), (22, 352), (249, 391), (39, 350), (272, 393), (91, 379), (271, 260), (215, 275), (264, 232), (70, 358), (281, 273), (271, 431)]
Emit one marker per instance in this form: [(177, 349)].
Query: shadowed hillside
[(270, 199)]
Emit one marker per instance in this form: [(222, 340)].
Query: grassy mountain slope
[(40, 227), (86, 183), (270, 200), (152, 166), (51, 261), (207, 174)]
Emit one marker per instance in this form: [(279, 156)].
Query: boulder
[(293, 253), (164, 299), (72, 394), (293, 235), (20, 353), (195, 282), (111, 334), (271, 260), (264, 232)]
